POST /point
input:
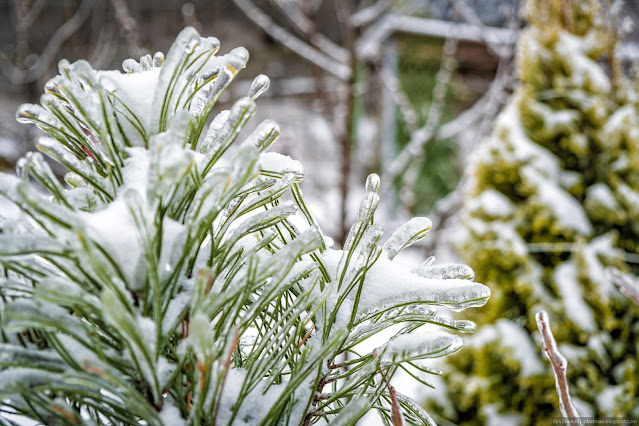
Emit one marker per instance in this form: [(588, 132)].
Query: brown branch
[(626, 283), (559, 365)]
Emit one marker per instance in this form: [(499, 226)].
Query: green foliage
[(552, 200), (178, 276)]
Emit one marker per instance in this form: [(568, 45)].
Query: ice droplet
[(158, 59), (260, 85), (130, 66), (372, 182)]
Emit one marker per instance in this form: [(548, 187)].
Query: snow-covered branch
[(559, 364), (368, 46)]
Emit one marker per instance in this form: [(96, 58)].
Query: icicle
[(406, 235), (264, 135), (260, 85)]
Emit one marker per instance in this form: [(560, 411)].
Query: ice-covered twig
[(626, 283), (559, 364), (330, 65)]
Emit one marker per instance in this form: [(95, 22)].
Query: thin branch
[(130, 27), (305, 26), (469, 15), (18, 76), (367, 15), (311, 54), (29, 18), (627, 284), (559, 364), (398, 96), (423, 135)]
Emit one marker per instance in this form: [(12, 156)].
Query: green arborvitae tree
[(553, 198), (177, 277)]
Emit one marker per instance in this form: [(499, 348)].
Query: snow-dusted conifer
[(177, 277), (553, 198)]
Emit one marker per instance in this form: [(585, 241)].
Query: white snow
[(576, 307), (280, 164), (135, 90), (566, 209), (491, 203)]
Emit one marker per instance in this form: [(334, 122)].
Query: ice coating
[(419, 346), (259, 85), (445, 271), (407, 234)]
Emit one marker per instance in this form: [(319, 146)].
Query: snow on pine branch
[(177, 276)]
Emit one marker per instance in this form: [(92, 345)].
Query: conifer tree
[(552, 199), (177, 277)]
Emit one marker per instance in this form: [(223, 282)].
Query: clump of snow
[(280, 164), (576, 307), (388, 283), (491, 203), (135, 90)]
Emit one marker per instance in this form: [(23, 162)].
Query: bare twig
[(627, 284), (469, 15), (20, 76), (311, 54), (399, 97), (559, 364), (130, 27), (367, 15), (305, 26), (413, 150), (428, 132)]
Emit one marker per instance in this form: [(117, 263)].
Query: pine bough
[(178, 277)]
